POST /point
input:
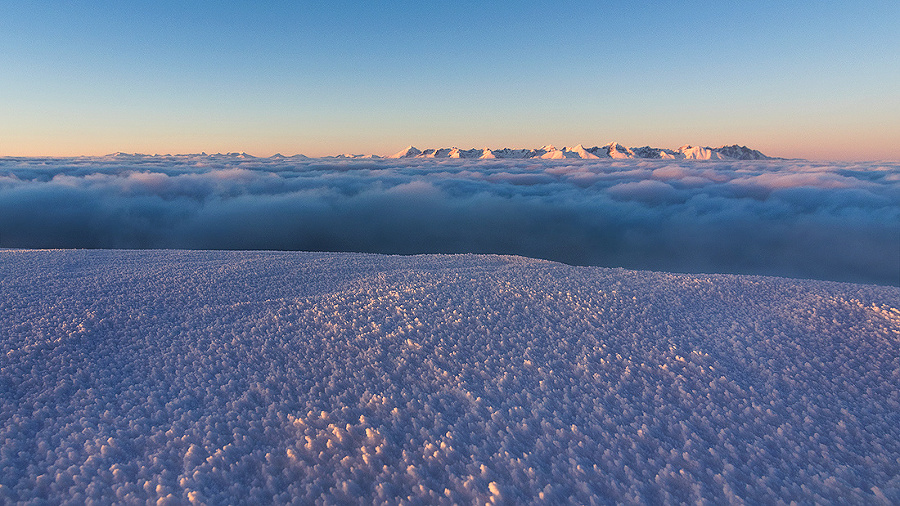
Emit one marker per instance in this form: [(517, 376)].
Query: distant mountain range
[(611, 150)]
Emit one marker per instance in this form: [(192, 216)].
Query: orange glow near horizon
[(836, 150)]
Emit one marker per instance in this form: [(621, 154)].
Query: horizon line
[(349, 155)]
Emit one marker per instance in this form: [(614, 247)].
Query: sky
[(815, 80)]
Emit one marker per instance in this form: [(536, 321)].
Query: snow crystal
[(256, 377)]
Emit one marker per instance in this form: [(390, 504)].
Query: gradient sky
[(808, 79)]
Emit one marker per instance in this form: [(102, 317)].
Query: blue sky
[(805, 79)]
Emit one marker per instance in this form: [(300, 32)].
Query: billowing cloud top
[(794, 218)]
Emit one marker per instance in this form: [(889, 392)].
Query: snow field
[(222, 377)]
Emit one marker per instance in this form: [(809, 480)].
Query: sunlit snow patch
[(247, 377)]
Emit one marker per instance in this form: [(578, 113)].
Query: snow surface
[(256, 377)]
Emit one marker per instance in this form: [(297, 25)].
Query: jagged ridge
[(611, 150)]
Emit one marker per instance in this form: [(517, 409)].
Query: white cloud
[(794, 218)]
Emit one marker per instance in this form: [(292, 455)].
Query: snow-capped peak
[(616, 150), (699, 153), (409, 152), (612, 150), (582, 152)]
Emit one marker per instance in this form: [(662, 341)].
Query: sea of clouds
[(836, 221)]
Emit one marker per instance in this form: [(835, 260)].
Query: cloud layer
[(793, 218)]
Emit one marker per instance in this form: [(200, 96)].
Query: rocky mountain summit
[(611, 150)]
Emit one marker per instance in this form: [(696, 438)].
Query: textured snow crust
[(222, 377)]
